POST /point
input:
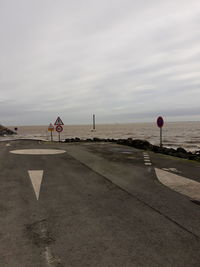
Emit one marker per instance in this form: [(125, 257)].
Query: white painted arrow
[(36, 179)]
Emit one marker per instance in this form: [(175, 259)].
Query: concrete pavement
[(97, 205)]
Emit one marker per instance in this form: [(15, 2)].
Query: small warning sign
[(58, 121), (50, 128)]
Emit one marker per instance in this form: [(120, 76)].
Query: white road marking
[(179, 183), (171, 169), (36, 179), (37, 151), (48, 256), (147, 160), (8, 144), (50, 259)]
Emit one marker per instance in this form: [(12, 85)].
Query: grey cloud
[(80, 57)]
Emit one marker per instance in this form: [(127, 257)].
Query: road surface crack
[(41, 237), (38, 231)]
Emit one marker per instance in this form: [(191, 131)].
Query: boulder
[(181, 150), (142, 144), (156, 149), (88, 140), (96, 139), (6, 131), (171, 151)]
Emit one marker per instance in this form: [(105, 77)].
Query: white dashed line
[(171, 169), (147, 160)]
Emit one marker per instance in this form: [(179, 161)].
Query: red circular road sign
[(160, 122), (59, 128)]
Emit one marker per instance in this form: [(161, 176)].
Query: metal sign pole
[(160, 136), (160, 123), (51, 136), (59, 136), (93, 121)]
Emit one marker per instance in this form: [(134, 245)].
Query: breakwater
[(5, 131)]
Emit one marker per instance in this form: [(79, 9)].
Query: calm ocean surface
[(184, 134)]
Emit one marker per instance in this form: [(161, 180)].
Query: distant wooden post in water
[(94, 126)]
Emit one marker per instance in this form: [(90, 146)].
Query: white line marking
[(147, 163), (147, 160), (36, 179), (8, 144), (37, 151), (171, 169), (51, 260), (179, 183), (48, 256)]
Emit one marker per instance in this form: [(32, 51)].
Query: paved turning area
[(96, 204)]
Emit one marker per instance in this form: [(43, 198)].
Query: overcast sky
[(124, 60)]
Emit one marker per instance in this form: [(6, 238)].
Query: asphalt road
[(97, 205)]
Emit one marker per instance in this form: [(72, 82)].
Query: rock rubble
[(5, 131)]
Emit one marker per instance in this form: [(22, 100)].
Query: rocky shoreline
[(5, 131), (145, 145)]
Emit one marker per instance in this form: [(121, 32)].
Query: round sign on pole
[(160, 122), (59, 128)]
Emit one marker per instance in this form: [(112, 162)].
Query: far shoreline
[(106, 123)]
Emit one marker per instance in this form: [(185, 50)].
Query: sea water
[(175, 134)]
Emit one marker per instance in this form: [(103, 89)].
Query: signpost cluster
[(58, 123), (58, 126)]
